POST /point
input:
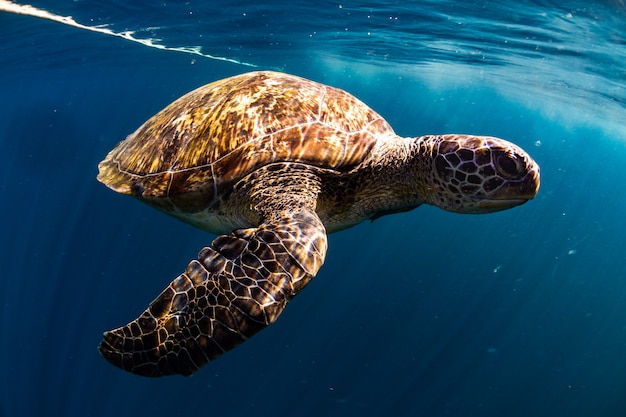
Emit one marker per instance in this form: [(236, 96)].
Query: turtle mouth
[(501, 204)]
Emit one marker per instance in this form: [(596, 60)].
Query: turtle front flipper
[(234, 289)]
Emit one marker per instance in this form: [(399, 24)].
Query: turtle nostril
[(510, 166)]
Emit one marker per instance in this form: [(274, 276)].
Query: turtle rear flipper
[(234, 289)]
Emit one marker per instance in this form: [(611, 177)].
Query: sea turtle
[(272, 163)]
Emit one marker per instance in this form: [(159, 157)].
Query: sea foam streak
[(10, 7)]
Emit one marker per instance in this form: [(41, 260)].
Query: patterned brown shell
[(214, 136)]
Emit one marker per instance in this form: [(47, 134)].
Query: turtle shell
[(199, 146)]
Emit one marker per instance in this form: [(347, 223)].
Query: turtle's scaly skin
[(281, 161)]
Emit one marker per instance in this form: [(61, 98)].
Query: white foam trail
[(10, 7)]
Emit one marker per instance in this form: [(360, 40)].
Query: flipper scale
[(235, 288)]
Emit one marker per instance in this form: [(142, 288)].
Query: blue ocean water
[(426, 313)]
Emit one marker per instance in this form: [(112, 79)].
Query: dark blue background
[(518, 313)]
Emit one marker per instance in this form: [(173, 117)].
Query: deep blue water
[(426, 313)]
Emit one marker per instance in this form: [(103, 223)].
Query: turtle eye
[(510, 166)]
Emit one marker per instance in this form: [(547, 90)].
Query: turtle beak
[(514, 193)]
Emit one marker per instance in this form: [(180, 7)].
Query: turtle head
[(478, 174)]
